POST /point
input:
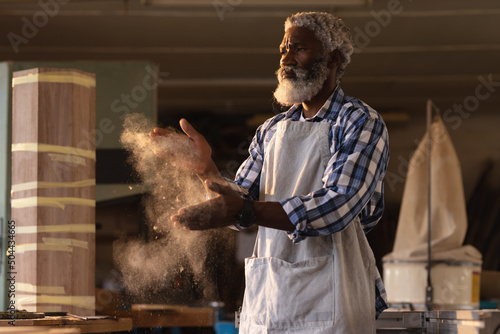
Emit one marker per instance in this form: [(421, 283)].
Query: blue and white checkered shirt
[(352, 181)]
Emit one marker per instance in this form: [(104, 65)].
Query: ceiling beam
[(267, 3), (271, 82), (240, 50)]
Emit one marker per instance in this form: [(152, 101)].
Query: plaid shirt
[(352, 181)]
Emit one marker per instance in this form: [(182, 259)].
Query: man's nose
[(287, 59)]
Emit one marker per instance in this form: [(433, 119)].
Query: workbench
[(139, 316), (430, 322)]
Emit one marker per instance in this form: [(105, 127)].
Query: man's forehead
[(296, 35)]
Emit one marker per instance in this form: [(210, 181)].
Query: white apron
[(321, 284)]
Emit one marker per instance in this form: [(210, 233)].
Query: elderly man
[(313, 183)]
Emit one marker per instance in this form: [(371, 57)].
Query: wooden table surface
[(168, 316), (85, 326)]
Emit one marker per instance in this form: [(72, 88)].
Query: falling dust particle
[(154, 270)]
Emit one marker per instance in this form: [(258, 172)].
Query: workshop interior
[(87, 245)]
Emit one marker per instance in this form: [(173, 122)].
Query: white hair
[(331, 32)]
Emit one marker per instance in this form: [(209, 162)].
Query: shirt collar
[(329, 109)]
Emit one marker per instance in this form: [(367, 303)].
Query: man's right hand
[(190, 152)]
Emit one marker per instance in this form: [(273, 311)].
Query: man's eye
[(300, 49), (283, 51)]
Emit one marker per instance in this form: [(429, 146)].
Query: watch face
[(246, 218)]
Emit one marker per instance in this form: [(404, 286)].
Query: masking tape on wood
[(67, 158), (43, 184), (53, 290), (86, 302), (53, 244), (53, 309), (46, 308), (58, 202), (43, 247), (68, 228), (56, 77), (66, 242), (38, 147)]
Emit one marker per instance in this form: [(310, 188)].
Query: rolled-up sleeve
[(248, 175), (352, 181)]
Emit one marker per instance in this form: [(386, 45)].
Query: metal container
[(455, 284)]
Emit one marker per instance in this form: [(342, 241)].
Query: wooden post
[(53, 190)]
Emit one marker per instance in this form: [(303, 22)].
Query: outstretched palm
[(190, 152)]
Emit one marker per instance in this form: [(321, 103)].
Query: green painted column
[(5, 167)]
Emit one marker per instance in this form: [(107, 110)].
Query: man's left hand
[(219, 211)]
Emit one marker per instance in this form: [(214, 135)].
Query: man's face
[(303, 67)]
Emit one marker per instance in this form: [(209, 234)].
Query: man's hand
[(218, 212), (190, 152)]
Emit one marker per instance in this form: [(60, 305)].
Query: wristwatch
[(246, 217)]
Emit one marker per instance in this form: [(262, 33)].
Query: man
[(313, 183)]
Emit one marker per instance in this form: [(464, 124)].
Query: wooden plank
[(24, 330), (38, 330), (100, 326), (170, 316)]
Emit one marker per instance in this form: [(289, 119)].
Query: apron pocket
[(281, 294)]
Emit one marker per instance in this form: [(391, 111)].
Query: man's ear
[(335, 58)]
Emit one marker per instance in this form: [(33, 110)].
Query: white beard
[(302, 88)]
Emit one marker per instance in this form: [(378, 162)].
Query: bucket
[(455, 284)]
